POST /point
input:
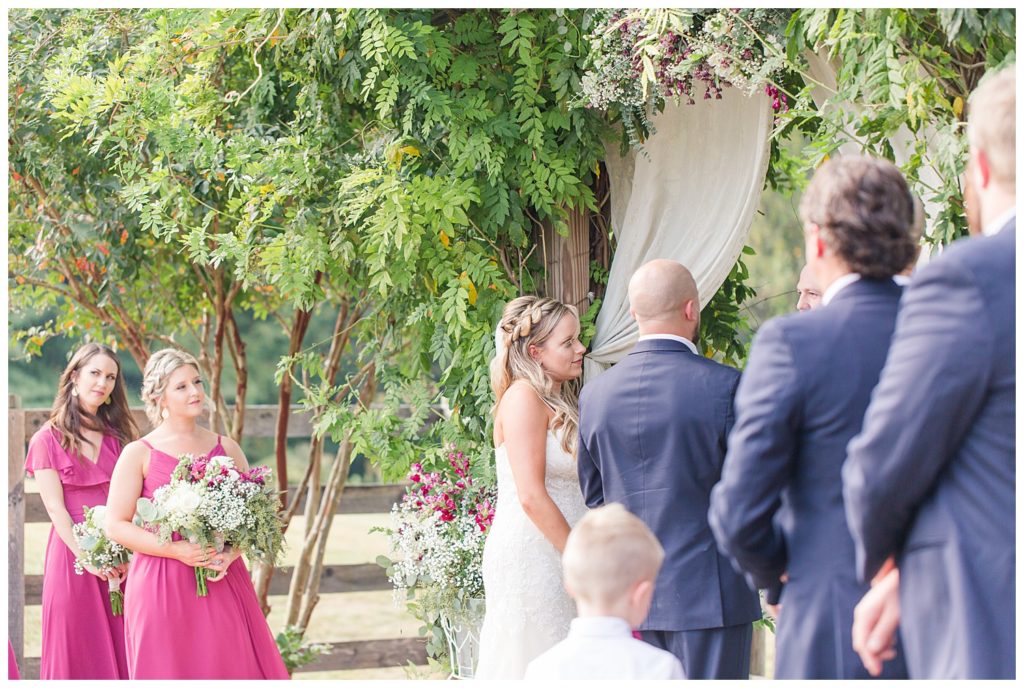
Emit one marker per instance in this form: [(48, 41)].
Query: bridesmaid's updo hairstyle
[(526, 321), (70, 420), (154, 378)]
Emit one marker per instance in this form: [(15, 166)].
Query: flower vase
[(462, 631)]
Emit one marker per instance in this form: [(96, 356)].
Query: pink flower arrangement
[(445, 493)]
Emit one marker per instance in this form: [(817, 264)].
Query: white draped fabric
[(690, 196)]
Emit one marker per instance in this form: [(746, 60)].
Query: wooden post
[(16, 527), (567, 261), (757, 652)]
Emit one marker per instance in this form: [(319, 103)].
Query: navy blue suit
[(931, 477), (652, 438), (779, 506)]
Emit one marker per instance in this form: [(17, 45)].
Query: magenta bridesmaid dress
[(12, 664), (82, 639), (172, 634)]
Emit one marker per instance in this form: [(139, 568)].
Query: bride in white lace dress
[(539, 498)]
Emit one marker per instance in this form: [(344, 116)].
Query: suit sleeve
[(931, 389), (759, 461), (588, 470)]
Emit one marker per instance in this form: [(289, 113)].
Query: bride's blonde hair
[(526, 321)]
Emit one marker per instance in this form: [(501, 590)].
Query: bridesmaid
[(12, 664), (169, 632), (72, 457)]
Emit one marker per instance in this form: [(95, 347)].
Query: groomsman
[(652, 437), (931, 477), (778, 509), (807, 289)]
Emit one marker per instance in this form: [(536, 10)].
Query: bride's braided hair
[(526, 321)]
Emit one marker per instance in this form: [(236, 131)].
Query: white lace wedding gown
[(527, 609)]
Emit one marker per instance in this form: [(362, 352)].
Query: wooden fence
[(25, 508), (259, 422)]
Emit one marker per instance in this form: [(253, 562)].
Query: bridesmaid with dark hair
[(72, 457)]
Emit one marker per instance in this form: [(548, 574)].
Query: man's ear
[(691, 310), (982, 169)]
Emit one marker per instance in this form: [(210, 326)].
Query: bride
[(539, 498)]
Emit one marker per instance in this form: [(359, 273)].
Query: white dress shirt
[(676, 338), (837, 286), (603, 647), (1000, 222)]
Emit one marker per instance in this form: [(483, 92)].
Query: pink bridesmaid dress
[(172, 634), (12, 664), (82, 639)]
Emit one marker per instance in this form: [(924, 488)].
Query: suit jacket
[(652, 437), (931, 477), (779, 506)]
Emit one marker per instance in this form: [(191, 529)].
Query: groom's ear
[(691, 310)]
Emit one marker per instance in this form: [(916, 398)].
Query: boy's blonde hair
[(607, 552)]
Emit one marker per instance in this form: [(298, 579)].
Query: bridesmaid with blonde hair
[(72, 458), (171, 633)]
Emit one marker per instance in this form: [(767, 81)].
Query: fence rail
[(260, 421)]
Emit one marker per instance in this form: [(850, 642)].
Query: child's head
[(610, 562)]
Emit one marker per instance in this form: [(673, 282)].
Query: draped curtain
[(690, 196)]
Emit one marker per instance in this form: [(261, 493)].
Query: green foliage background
[(396, 165)]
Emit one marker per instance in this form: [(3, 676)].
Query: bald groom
[(652, 438)]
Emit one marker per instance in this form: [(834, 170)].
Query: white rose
[(182, 499), (99, 515)]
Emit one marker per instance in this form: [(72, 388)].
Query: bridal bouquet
[(100, 552), (210, 502), (437, 534)]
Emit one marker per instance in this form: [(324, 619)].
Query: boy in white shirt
[(609, 565)]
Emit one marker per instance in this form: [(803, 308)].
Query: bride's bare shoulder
[(521, 407)]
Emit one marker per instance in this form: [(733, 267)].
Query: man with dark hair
[(929, 483), (778, 510)]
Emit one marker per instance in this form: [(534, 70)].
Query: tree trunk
[(303, 594)]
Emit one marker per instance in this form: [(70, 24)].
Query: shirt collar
[(837, 286), (1000, 222), (604, 626), (676, 338)]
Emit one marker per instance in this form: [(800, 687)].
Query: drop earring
[(164, 414), (74, 391)]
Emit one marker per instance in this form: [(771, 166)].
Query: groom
[(652, 437)]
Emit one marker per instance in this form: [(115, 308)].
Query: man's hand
[(875, 620)]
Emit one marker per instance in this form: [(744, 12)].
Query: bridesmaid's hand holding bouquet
[(101, 555), (210, 502)]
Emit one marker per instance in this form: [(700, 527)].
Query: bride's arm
[(524, 422)]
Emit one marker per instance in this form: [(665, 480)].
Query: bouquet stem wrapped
[(100, 552), (116, 596)]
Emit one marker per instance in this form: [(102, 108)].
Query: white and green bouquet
[(208, 501), (101, 553)]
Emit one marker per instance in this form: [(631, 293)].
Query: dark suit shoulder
[(980, 255)]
